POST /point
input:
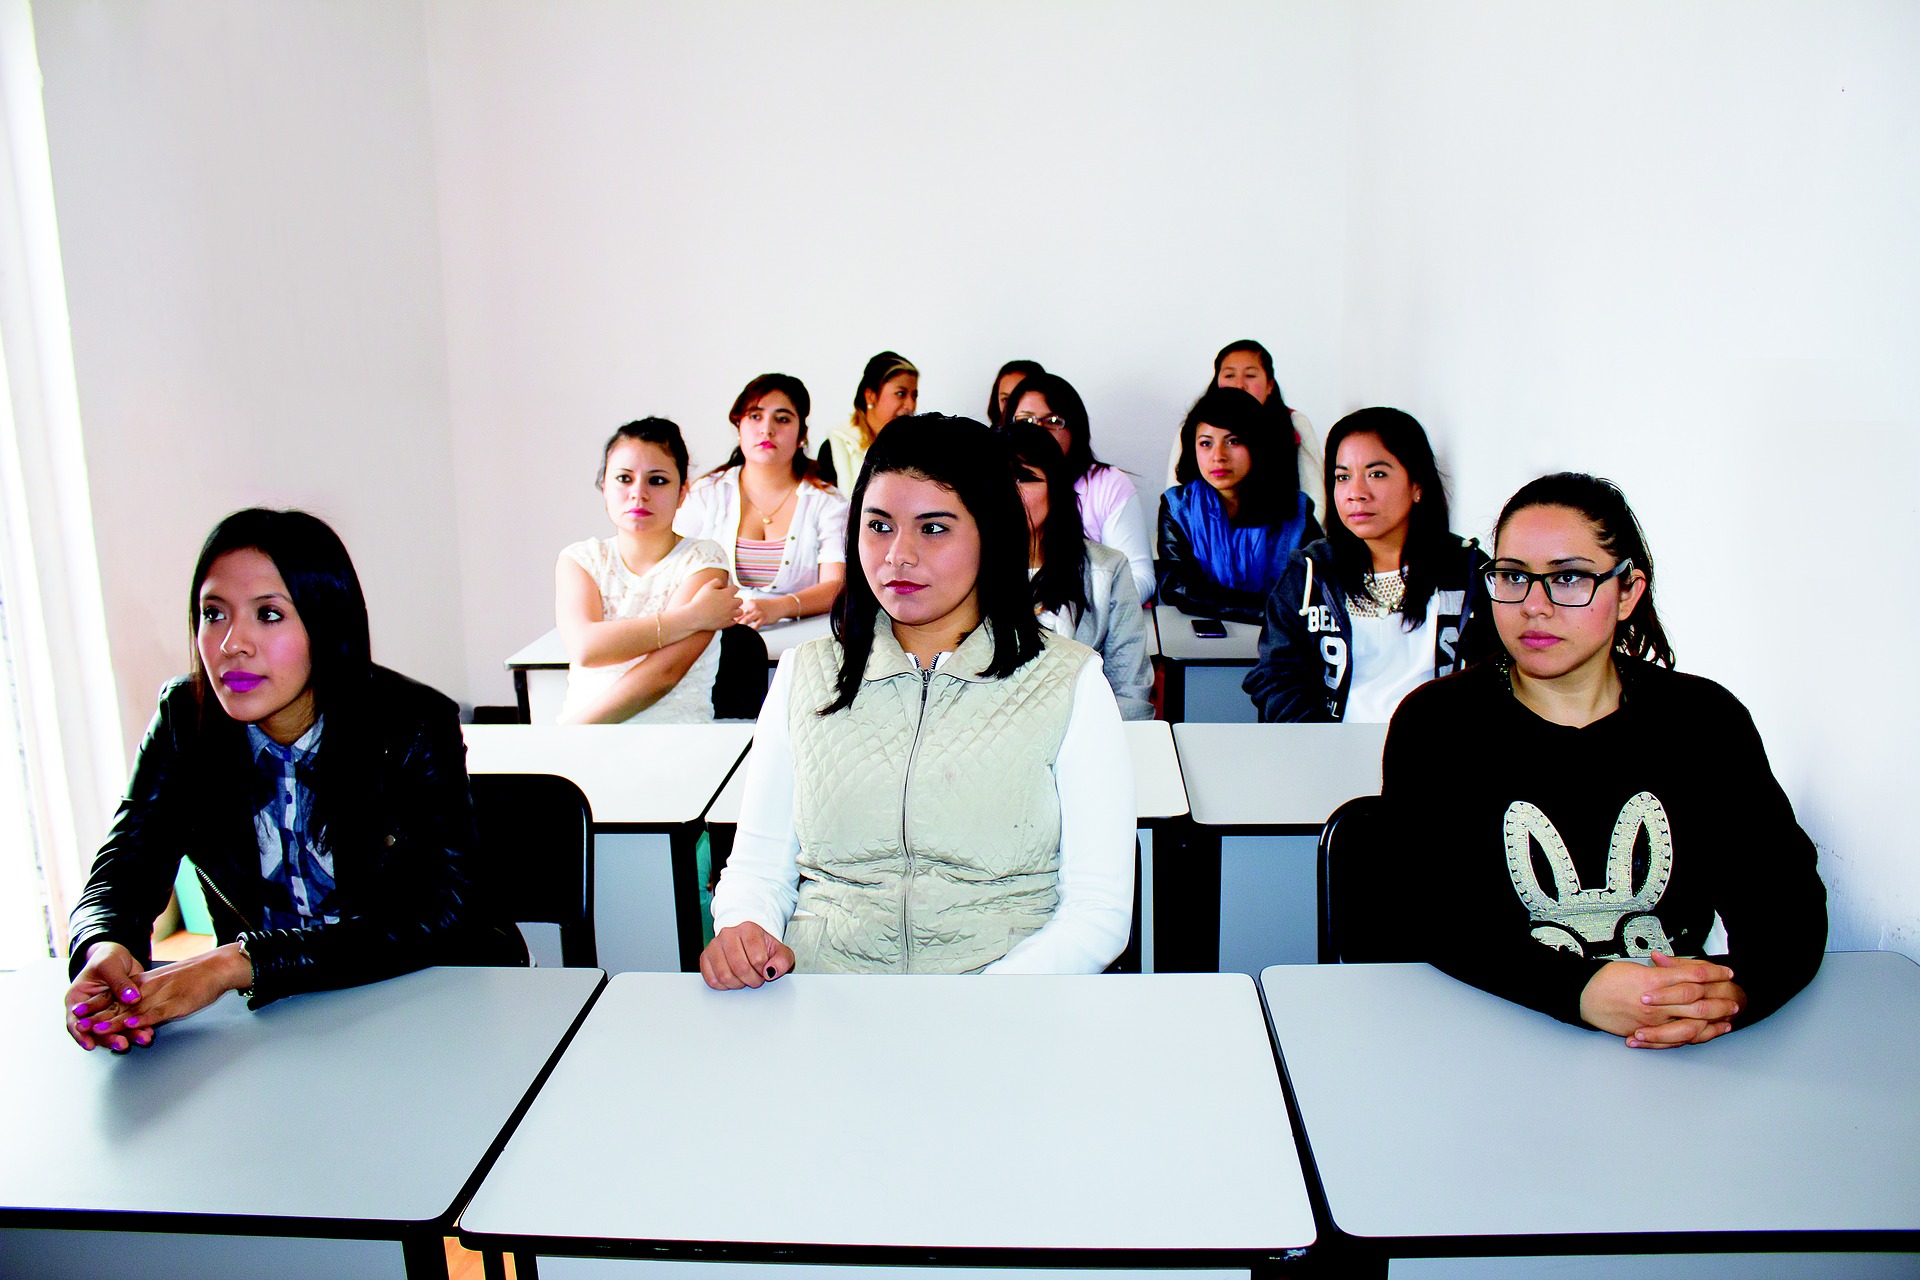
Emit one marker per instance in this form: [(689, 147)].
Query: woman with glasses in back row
[(1574, 818), (1109, 505)]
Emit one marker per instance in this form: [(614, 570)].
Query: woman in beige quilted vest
[(942, 786)]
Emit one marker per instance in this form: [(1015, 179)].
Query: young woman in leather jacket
[(322, 799)]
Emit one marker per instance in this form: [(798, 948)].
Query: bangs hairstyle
[(1277, 402), (882, 369), (1270, 495), (1062, 399), (1428, 537), (324, 589), (960, 455), (752, 394), (655, 431), (1061, 582), (1601, 504), (1026, 369)]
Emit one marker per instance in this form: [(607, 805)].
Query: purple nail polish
[(98, 1027), (79, 1009), (130, 995), (134, 1021)]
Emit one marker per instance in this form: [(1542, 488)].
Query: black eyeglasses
[(1569, 588), (1052, 422)]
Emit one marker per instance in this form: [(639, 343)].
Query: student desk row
[(1039, 1122), (540, 670), (1203, 675), (1230, 888)]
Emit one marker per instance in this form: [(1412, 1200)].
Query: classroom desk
[(348, 1124), (970, 1121), (1260, 794), (540, 669), (1203, 676), (1447, 1123), (649, 785), (1159, 800)]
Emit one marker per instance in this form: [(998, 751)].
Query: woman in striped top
[(783, 527)]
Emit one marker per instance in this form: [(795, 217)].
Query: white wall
[(247, 216), (1670, 243), (644, 206), (1675, 245)]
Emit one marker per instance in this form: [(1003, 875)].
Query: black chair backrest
[(1128, 961), (536, 844), (740, 685), (1348, 875)]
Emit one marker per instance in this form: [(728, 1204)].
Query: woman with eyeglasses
[(1080, 589), (1576, 817), (1109, 506), (1229, 529), (1249, 366), (1387, 601)]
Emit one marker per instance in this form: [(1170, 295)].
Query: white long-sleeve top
[(1094, 775), (1110, 514)]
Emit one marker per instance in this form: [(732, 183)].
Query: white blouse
[(625, 594), (1094, 775), (816, 535)]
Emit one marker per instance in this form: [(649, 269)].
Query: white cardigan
[(817, 534)]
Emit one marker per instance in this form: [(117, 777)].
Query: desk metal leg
[(426, 1257), (1186, 899), (520, 696)]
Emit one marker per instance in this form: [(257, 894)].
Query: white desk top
[(372, 1104), (1276, 775), (1157, 789), (633, 774), (1177, 641), (1095, 1113), (547, 651), (1434, 1109)]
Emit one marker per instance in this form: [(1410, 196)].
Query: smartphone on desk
[(1210, 628)]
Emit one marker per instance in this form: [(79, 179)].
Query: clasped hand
[(1670, 1002), (116, 1002)]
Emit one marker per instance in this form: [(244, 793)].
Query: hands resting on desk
[(117, 1003), (1660, 1006), (744, 955)]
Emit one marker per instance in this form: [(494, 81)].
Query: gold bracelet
[(658, 643), (798, 608)]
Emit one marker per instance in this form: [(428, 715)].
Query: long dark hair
[(326, 595), (1603, 506), (1270, 493), (1275, 403), (1428, 536), (1026, 369), (750, 395), (657, 431), (961, 455), (1062, 399), (1061, 582)]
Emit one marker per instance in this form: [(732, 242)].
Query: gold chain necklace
[(768, 518)]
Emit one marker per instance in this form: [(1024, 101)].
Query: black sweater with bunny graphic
[(1527, 854)]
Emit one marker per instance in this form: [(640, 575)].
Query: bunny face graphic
[(1614, 921)]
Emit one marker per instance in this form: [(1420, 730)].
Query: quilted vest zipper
[(906, 849)]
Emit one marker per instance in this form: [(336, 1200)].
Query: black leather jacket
[(407, 887)]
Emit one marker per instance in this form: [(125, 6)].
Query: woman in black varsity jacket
[(1388, 600)]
